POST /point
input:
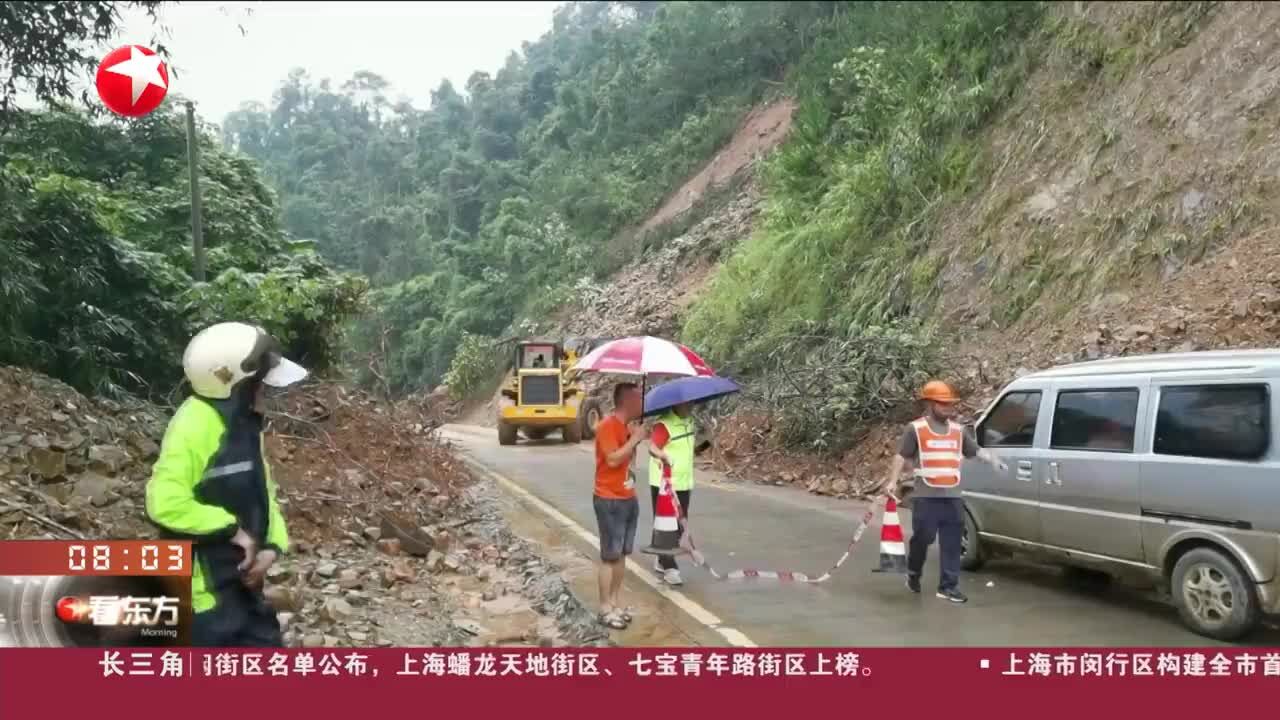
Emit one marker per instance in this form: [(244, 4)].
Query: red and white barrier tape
[(781, 575)]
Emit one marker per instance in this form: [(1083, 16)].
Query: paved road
[(1011, 603)]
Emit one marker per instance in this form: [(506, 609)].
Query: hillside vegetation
[(959, 181), (1126, 206), (495, 205), (1013, 186), (96, 250)]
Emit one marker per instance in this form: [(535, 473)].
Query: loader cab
[(538, 356), (538, 373)]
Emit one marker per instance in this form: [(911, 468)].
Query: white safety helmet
[(219, 357)]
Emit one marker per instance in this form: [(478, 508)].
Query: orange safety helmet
[(938, 391)]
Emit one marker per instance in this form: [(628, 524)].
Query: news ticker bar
[(748, 683), (839, 665)]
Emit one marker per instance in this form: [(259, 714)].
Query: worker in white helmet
[(212, 484)]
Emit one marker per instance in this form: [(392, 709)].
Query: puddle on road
[(649, 627)]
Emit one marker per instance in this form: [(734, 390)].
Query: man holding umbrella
[(614, 499), (616, 440)]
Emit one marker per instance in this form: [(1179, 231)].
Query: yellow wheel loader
[(540, 395)]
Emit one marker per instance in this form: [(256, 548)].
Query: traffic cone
[(666, 525), (893, 551)]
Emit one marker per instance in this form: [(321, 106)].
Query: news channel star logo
[(132, 80), (94, 611)]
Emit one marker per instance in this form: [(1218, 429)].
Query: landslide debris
[(71, 466), (394, 542), (649, 295), (1126, 208)]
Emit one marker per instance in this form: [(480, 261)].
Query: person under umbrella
[(673, 446), (616, 439), (614, 498)]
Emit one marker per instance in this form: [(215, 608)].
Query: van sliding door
[(1090, 494)]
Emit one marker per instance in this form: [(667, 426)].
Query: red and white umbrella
[(644, 356)]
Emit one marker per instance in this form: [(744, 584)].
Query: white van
[(1164, 465)]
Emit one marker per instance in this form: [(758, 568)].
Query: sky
[(414, 45)]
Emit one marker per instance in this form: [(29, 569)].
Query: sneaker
[(657, 566), (953, 595), (913, 583), (672, 577)]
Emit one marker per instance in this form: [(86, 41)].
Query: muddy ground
[(394, 541)]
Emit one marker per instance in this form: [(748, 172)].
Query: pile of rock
[(648, 295), (391, 541), (477, 589), (70, 465)]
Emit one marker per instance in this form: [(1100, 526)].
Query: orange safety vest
[(940, 454)]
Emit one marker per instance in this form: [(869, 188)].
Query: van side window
[(1012, 423), (1100, 420), (1228, 422)]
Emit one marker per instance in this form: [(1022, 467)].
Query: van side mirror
[(972, 430)]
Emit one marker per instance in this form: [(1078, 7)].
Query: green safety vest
[(680, 449), (205, 484)]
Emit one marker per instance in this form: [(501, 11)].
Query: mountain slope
[(1128, 210), (1117, 201)]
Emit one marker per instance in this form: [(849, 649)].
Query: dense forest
[(504, 202), (493, 204), (95, 232), (94, 240), (358, 226)]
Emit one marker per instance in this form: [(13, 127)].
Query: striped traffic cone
[(893, 551), (666, 525)]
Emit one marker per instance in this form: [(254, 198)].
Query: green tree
[(505, 193), (45, 45), (97, 222)]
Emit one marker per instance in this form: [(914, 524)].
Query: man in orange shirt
[(617, 509)]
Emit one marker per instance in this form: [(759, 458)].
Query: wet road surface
[(1011, 602)]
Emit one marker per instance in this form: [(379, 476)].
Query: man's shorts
[(616, 520)]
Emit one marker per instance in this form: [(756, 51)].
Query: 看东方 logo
[(112, 610)]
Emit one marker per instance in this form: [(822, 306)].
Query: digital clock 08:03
[(128, 558), (95, 557)]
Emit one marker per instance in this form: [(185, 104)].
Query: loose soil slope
[(763, 128), (650, 294), (1129, 207), (393, 540)]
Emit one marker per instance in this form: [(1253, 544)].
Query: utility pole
[(193, 156)]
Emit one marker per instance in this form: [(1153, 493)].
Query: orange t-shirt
[(611, 482)]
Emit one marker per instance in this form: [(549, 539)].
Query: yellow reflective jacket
[(211, 478), (680, 448)]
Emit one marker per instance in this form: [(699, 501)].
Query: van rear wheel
[(1214, 597), (972, 554)]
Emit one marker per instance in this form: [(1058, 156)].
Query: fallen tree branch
[(42, 519), (326, 497), (463, 523), (283, 436)]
